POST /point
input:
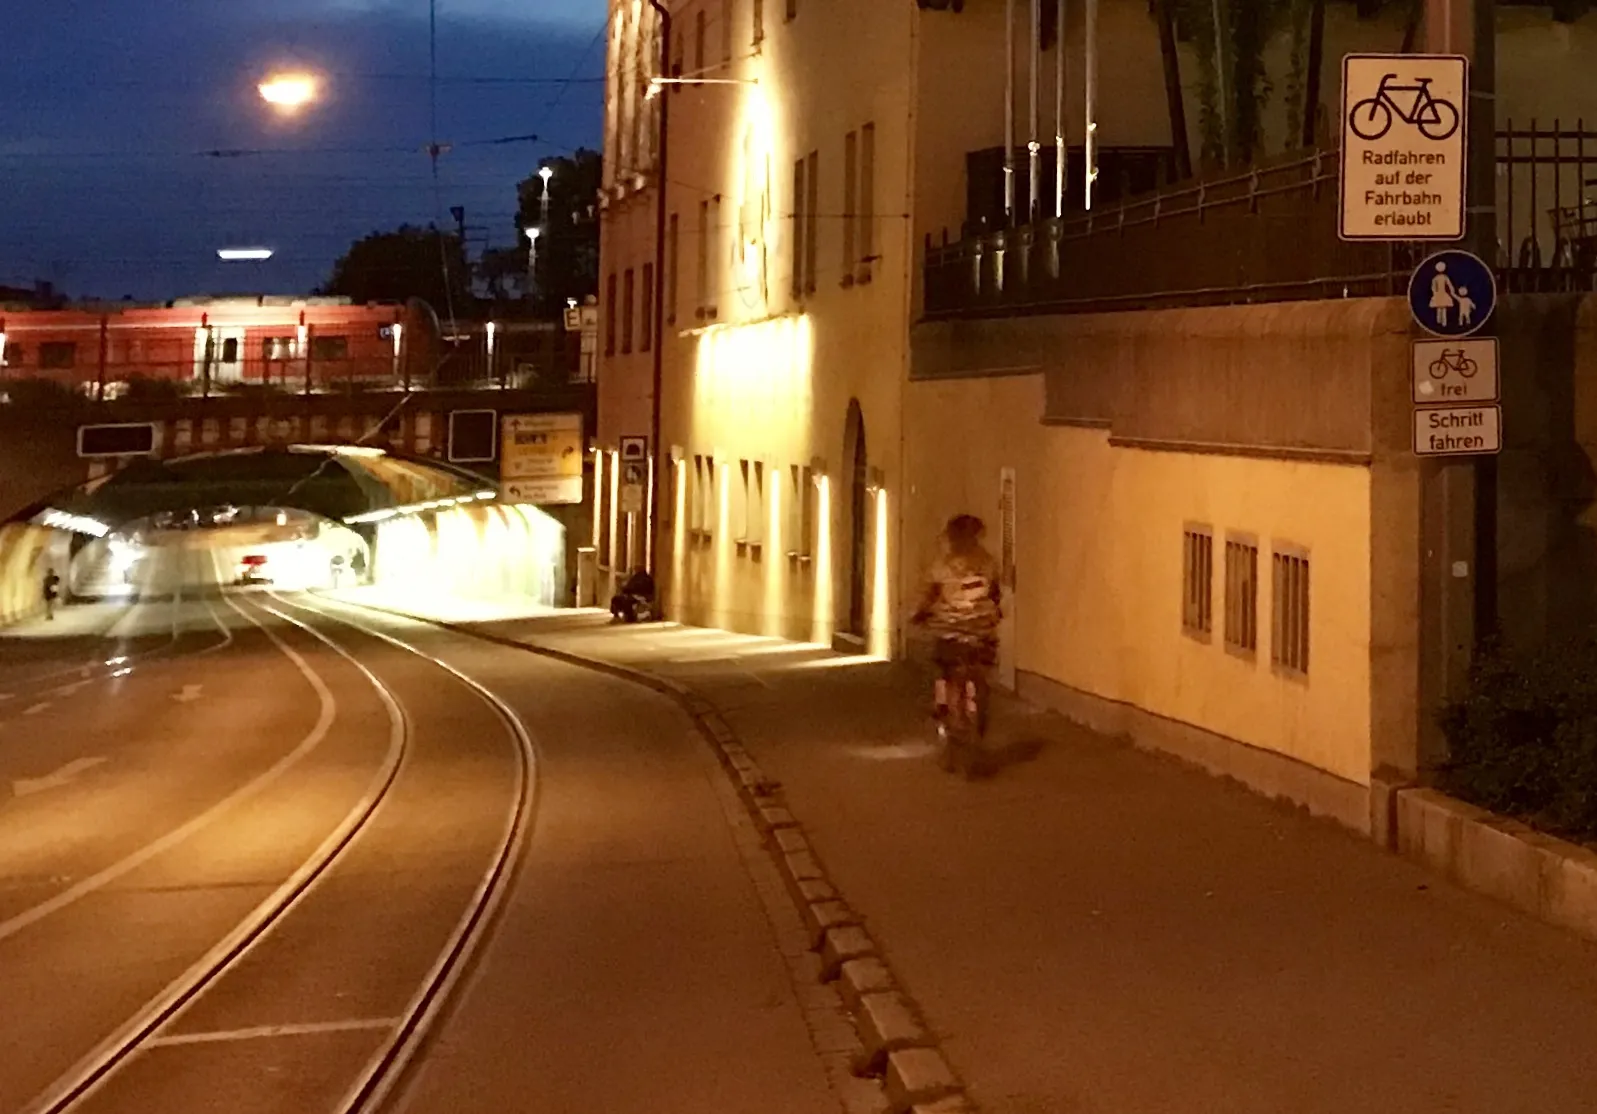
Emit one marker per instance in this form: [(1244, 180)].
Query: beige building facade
[(1200, 551)]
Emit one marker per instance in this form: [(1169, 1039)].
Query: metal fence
[(1265, 234)]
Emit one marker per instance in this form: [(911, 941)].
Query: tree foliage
[(408, 262)]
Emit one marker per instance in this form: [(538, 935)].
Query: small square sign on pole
[(634, 448), (1404, 146)]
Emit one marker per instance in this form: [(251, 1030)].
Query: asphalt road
[(257, 855)]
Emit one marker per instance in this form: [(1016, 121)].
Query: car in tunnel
[(252, 569)]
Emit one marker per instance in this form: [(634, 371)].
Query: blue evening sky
[(107, 108)]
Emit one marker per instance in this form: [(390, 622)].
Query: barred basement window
[(1289, 619), (1197, 576), (1241, 594)]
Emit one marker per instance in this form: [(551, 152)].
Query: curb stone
[(918, 1078), (820, 917), (887, 1024)]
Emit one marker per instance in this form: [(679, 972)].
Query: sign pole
[(1458, 567)]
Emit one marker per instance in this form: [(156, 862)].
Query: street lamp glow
[(546, 173), (233, 255), (289, 92), (533, 234)]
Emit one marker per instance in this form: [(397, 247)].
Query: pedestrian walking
[(52, 589)]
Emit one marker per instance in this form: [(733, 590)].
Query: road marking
[(324, 723), (68, 690), (266, 1032), (5, 696), (35, 709), (26, 787), (189, 694)]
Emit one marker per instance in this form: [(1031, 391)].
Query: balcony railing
[(1267, 234)]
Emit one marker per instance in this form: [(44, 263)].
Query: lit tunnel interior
[(304, 518)]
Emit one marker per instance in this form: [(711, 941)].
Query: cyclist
[(961, 607)]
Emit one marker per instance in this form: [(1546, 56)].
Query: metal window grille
[(1197, 575), (1242, 594), (1289, 619)]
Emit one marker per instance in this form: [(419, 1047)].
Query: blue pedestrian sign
[(1452, 294)]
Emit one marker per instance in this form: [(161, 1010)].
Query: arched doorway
[(856, 472)]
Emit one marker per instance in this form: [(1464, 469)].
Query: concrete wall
[(1282, 424), (25, 552)]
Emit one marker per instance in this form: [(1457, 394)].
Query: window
[(1289, 618), (740, 509), (850, 188), (1241, 594), (473, 435), (755, 529), (726, 32), (610, 314), (798, 228), (57, 355), (230, 350), (801, 512), (1197, 575), (12, 355), (792, 9), (701, 32), (330, 348), (867, 200), (646, 307), (672, 270), (759, 20), (629, 295), (277, 348), (704, 259), (750, 527), (812, 204)]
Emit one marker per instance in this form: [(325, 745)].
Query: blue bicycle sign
[(1414, 104)]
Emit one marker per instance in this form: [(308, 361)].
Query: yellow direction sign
[(540, 458)]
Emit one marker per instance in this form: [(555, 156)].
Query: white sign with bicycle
[(1455, 371), (1404, 127)]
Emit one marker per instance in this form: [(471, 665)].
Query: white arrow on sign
[(190, 693), (24, 787)]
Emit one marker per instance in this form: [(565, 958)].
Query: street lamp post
[(545, 173), (532, 257)]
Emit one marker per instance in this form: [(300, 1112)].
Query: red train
[(214, 345)]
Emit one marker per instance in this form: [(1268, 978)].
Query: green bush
[(145, 389), (1523, 741)]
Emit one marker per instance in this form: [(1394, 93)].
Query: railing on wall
[(1262, 235)]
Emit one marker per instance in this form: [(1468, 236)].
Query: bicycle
[(1372, 117), (1453, 360), (960, 731)]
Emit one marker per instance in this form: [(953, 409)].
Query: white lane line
[(35, 709), (66, 775), (68, 690), (324, 723), (266, 1032), (168, 1006), (189, 694)]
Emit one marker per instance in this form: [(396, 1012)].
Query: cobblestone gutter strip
[(895, 1045)]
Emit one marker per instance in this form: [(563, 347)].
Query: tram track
[(100, 1080)]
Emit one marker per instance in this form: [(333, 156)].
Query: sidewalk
[(1100, 929)]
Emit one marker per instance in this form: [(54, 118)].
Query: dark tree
[(409, 262), (568, 247)]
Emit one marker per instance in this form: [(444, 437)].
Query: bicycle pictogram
[(1453, 359), (1373, 117)]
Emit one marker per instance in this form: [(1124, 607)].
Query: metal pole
[(662, 180), (1089, 140), (1061, 155), (1033, 146), (1458, 550), (1009, 112), (1222, 106)]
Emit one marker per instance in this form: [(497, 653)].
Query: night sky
[(107, 105)]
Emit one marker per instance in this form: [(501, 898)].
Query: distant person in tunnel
[(52, 590), (635, 602), (357, 565)]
